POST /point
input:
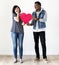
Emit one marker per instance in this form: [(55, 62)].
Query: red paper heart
[(25, 17)]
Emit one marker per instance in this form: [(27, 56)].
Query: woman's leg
[(20, 38), (14, 40)]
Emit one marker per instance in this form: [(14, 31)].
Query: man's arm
[(44, 18)]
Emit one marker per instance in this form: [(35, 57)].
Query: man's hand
[(35, 18)]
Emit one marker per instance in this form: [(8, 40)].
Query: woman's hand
[(29, 24), (23, 24), (17, 13)]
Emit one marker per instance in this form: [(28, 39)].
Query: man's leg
[(43, 43), (36, 40)]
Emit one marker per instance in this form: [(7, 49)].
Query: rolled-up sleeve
[(44, 19)]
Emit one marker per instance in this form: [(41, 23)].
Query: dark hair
[(37, 2), (14, 7)]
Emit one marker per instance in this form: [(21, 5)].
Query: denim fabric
[(40, 24), (17, 39)]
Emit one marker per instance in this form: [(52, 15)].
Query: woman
[(17, 33)]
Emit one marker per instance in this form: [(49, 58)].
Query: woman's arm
[(16, 18)]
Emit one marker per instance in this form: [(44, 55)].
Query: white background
[(27, 6)]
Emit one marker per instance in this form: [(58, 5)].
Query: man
[(39, 26)]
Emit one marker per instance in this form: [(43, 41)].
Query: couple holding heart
[(39, 17)]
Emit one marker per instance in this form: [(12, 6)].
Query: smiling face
[(17, 10), (37, 7)]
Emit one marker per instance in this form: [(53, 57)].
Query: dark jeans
[(17, 39), (43, 43)]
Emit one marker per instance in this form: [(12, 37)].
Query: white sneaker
[(45, 60), (15, 60), (21, 61)]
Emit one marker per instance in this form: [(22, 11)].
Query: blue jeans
[(17, 39)]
